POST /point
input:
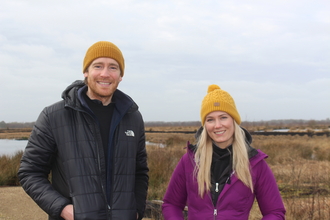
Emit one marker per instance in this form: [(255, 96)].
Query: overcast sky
[(273, 57)]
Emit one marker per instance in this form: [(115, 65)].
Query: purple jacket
[(235, 200)]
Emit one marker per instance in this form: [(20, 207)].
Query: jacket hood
[(73, 99), (70, 94)]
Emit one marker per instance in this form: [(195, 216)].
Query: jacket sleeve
[(35, 167), (176, 194), (141, 175), (267, 193)]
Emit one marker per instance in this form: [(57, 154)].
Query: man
[(93, 143)]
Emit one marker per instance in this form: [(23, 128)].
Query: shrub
[(8, 169), (161, 162)]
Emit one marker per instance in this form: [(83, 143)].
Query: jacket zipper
[(215, 211), (99, 165), (100, 170), (217, 187), (98, 153)]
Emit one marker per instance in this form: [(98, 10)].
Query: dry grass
[(283, 149), (22, 133), (301, 166), (8, 169), (163, 158)]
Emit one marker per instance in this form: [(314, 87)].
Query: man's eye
[(113, 67), (97, 67)]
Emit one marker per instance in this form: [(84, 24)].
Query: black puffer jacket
[(66, 140)]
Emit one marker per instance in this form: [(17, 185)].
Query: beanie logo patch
[(216, 104)]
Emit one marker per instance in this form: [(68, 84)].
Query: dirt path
[(15, 204)]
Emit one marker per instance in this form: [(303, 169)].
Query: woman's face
[(220, 127)]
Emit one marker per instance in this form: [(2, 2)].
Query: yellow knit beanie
[(104, 49), (218, 100)]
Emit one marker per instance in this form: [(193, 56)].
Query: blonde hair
[(203, 159)]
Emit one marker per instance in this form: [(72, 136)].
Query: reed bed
[(8, 169), (301, 166)]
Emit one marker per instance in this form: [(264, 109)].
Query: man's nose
[(105, 72)]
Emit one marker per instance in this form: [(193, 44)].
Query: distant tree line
[(271, 123), (11, 125)]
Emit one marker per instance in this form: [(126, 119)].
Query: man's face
[(102, 78)]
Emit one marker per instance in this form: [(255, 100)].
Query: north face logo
[(129, 133)]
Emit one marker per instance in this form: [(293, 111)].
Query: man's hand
[(67, 212)]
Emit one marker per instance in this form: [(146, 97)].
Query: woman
[(220, 177)]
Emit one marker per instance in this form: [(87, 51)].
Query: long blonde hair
[(203, 159)]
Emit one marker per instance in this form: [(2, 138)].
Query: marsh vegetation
[(301, 165)]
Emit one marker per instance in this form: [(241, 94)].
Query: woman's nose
[(218, 123)]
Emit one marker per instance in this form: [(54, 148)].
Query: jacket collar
[(73, 98)]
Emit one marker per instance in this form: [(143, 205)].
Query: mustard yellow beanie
[(218, 100), (104, 49)]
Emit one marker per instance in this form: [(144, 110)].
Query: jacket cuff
[(140, 214), (61, 209)]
